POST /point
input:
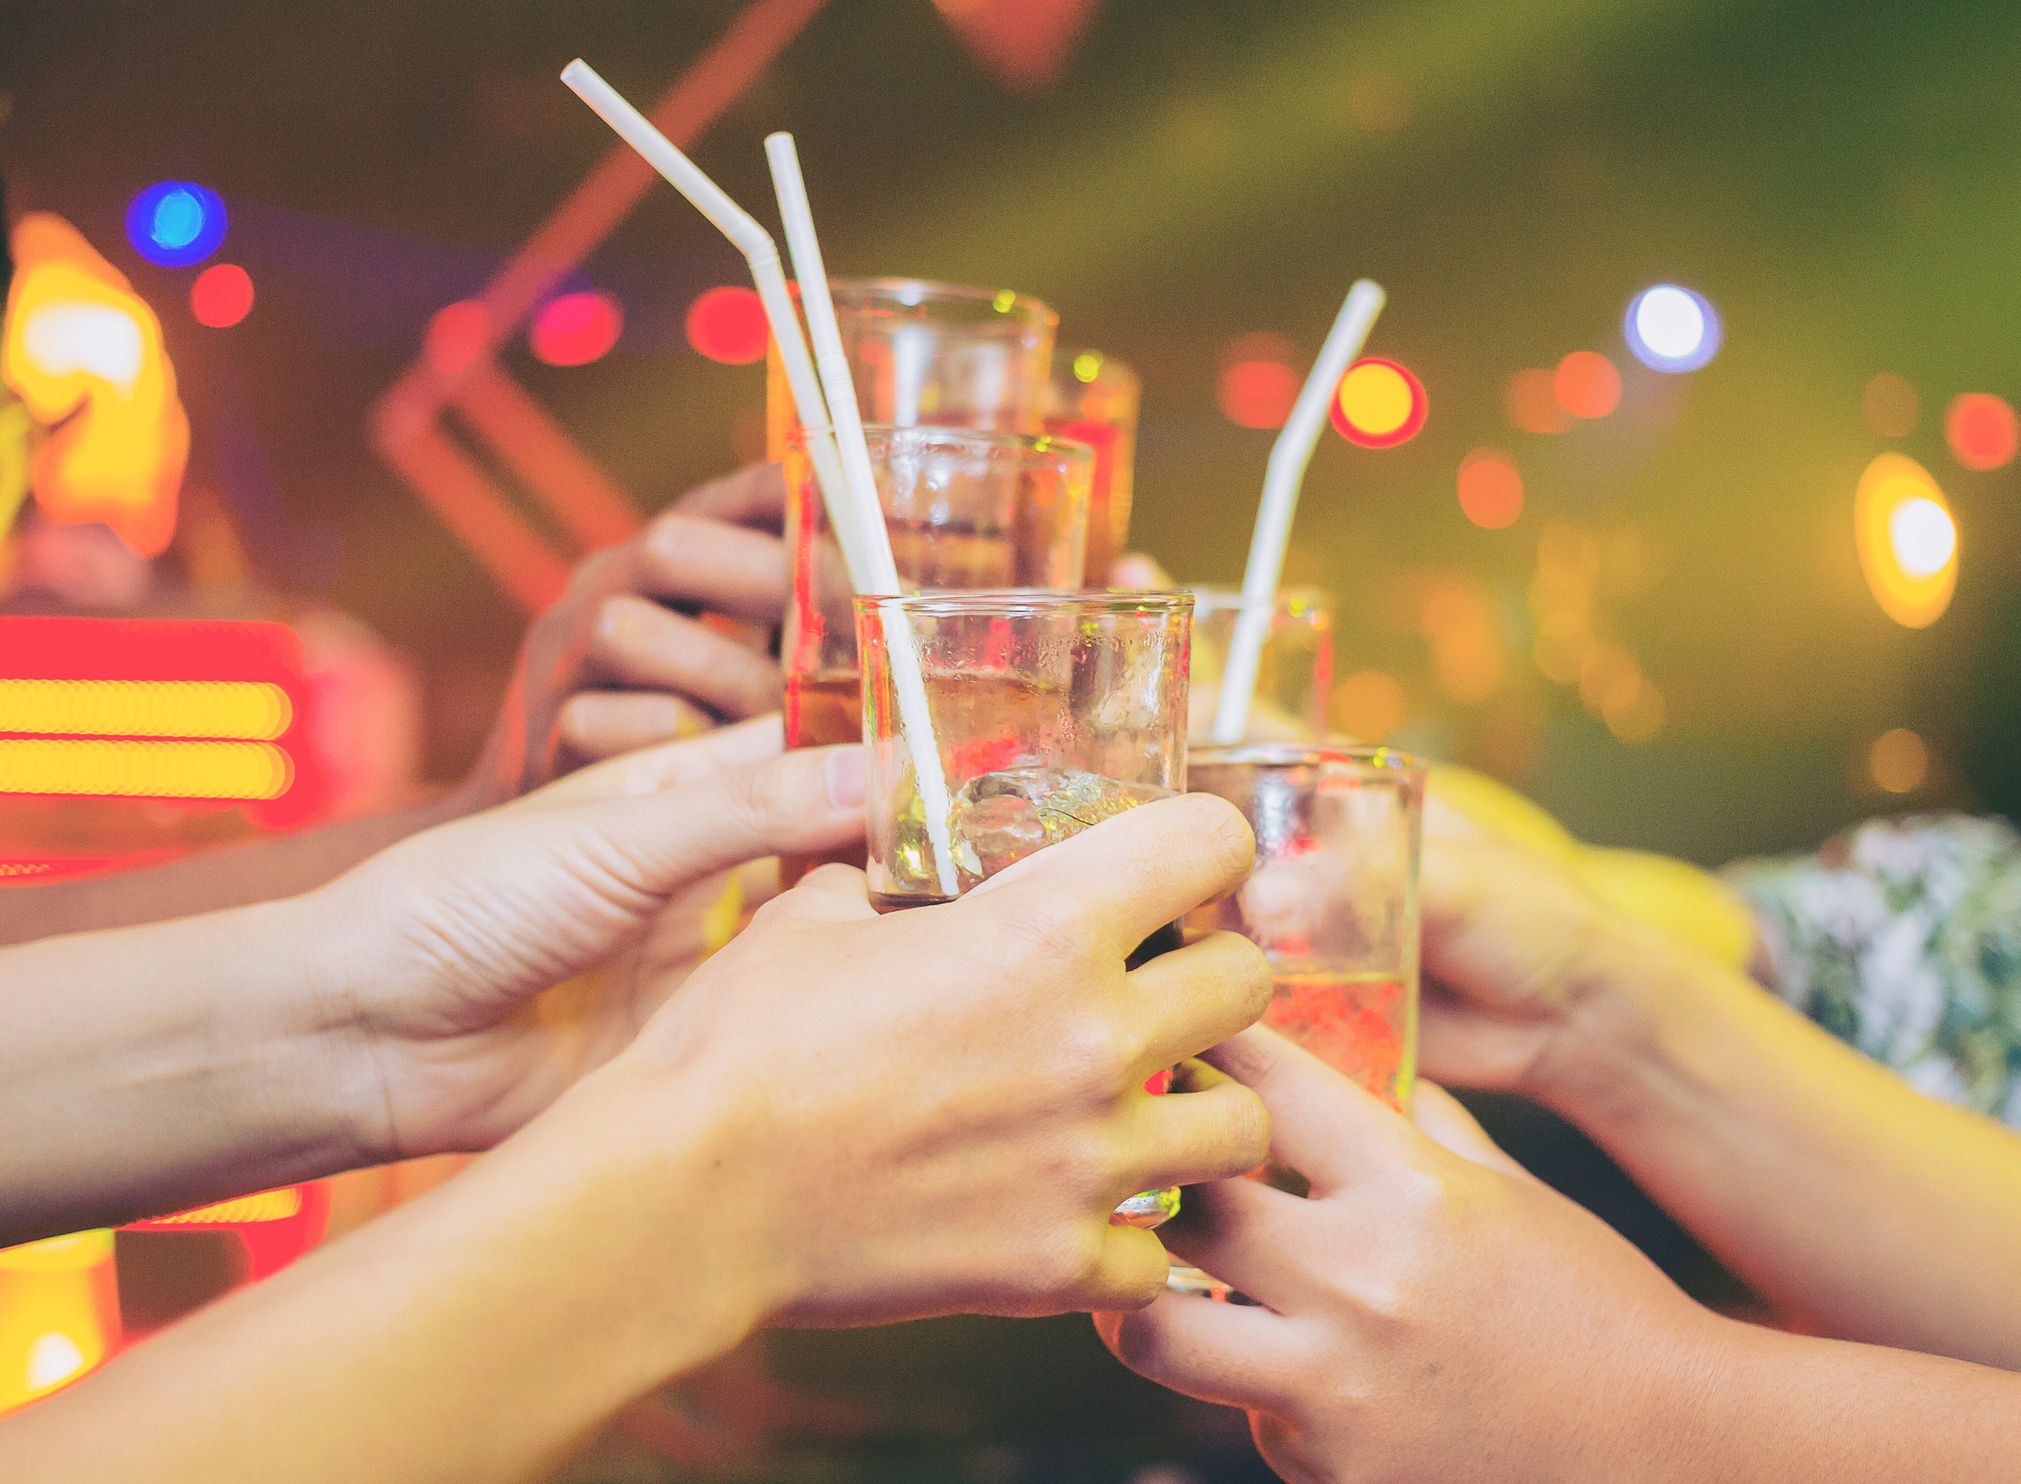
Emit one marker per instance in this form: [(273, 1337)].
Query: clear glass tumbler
[(1093, 399), (935, 354), (1051, 711), (1294, 678)]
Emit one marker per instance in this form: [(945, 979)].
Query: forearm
[(477, 1333), (233, 876), (154, 1068), (1822, 1179), (1775, 1407)]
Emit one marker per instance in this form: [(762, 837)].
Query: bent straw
[(915, 717), (1289, 456), (762, 253)]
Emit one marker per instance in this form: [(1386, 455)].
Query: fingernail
[(846, 777)]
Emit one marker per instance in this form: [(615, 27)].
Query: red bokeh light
[(1587, 384), (727, 324), (1982, 430), (1491, 489), (575, 329), (1379, 404), (221, 296), (1258, 394), (1531, 402), (457, 335)]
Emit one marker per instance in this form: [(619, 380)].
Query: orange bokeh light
[(1379, 404), (1907, 542), (1491, 489), (1531, 402), (1257, 394), (1587, 384), (1982, 430)]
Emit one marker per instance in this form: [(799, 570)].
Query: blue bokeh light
[(1672, 329), (176, 223)]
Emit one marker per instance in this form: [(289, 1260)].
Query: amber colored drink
[(1358, 1024)]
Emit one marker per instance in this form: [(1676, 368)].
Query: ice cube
[(1000, 818)]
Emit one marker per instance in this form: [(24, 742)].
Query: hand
[(452, 934), (627, 656), (936, 1110), (1426, 1310)]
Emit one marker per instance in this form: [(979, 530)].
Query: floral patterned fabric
[(1903, 937)]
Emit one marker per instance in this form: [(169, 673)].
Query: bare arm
[(1827, 1183)]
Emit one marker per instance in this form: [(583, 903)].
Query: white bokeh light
[(1672, 329), (1921, 532)]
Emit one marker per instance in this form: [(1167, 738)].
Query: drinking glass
[(1052, 712), (1093, 398), (930, 353), (1333, 903), (1294, 677)]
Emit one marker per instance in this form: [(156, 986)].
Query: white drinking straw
[(1289, 457), (762, 253), (915, 717)]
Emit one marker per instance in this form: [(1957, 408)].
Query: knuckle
[(1093, 1056), (1070, 1261)]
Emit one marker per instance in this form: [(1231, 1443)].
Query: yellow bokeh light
[(1907, 540), (148, 770), (1899, 761), (1375, 399), (58, 1313), (252, 710)]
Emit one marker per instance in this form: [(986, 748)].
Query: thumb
[(802, 801)]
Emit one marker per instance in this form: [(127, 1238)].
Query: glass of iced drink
[(1092, 398), (1052, 712), (937, 354), (965, 509), (1294, 678), (1332, 899)]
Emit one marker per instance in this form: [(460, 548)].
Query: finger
[(1139, 871), (669, 765), (802, 801), (597, 724), (1129, 1273), (1198, 996), (725, 568), (1232, 1354), (1189, 1138), (1464, 1045), (1444, 1119), (637, 642), (830, 893), (1134, 570), (1321, 1124), (1247, 1234), (754, 496), (1500, 927)]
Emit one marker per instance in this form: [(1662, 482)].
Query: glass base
[(1182, 1279), (1147, 1209)]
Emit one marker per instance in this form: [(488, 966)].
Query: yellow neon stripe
[(144, 770), (268, 1205), (253, 710)]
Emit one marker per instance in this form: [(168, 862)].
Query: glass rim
[(1276, 755), (1031, 443), (910, 293), (1012, 602)]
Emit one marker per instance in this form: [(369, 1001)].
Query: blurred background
[(1651, 612)]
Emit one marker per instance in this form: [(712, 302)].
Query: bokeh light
[(1491, 489), (727, 324), (1890, 405), (176, 223), (1587, 384), (1379, 404), (221, 296), (457, 335), (1899, 761), (1907, 540), (1367, 706), (575, 329), (1982, 430), (1672, 329), (1087, 365), (1531, 402), (1257, 394)]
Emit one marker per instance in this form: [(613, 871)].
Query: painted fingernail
[(845, 777)]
